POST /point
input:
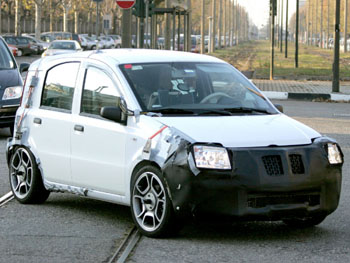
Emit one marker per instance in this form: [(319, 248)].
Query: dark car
[(10, 86), (40, 45), (23, 45)]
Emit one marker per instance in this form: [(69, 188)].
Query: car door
[(98, 144), (50, 132)]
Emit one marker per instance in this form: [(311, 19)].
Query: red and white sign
[(126, 4)]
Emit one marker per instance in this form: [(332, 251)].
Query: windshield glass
[(6, 61), (62, 45), (193, 86)]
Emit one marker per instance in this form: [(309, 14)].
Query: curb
[(278, 95)]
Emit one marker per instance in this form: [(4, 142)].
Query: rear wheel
[(25, 179), (151, 207), (305, 222)]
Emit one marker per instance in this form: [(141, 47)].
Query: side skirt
[(93, 194)]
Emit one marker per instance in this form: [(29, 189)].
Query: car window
[(11, 40), (99, 91), (59, 86), (6, 61)]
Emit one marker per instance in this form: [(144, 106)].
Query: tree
[(38, 10)]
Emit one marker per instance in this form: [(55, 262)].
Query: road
[(68, 228)]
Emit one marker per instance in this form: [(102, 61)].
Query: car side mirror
[(113, 113), (23, 67), (279, 107)]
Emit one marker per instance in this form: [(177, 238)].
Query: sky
[(259, 9)]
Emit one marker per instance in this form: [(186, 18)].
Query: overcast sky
[(259, 9)]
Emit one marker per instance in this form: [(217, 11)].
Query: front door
[(98, 145)]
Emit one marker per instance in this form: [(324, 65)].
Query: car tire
[(25, 179), (305, 222), (119, 46), (93, 48), (151, 207), (19, 52)]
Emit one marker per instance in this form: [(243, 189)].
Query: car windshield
[(62, 45), (183, 87), (6, 61)]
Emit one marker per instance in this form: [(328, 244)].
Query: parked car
[(13, 49), (42, 46), (58, 47), (107, 42), (117, 40), (171, 134), (59, 35), (10, 86), (22, 44)]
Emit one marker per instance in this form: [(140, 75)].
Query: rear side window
[(59, 86), (99, 91)]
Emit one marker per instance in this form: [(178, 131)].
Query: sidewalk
[(303, 90)]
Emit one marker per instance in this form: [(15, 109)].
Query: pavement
[(303, 90)]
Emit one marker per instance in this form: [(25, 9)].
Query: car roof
[(132, 56)]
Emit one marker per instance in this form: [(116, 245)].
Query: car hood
[(244, 131), (9, 78)]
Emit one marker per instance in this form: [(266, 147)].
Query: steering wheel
[(215, 95)]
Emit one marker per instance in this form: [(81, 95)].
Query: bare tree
[(17, 18), (66, 5), (38, 10)]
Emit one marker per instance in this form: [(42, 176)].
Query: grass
[(314, 63)]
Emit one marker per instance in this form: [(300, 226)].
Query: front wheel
[(305, 222), (151, 207), (25, 178)]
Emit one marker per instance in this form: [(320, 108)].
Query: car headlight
[(210, 157), (334, 154), (12, 93)]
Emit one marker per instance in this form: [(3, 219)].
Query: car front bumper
[(271, 183), (7, 115)]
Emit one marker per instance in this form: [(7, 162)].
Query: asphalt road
[(68, 228)]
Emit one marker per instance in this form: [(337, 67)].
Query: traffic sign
[(125, 4)]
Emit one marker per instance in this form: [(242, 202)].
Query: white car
[(170, 134), (58, 47)]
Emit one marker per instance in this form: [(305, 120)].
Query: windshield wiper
[(172, 111), (247, 110), (215, 112)]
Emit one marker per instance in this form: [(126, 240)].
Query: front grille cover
[(273, 165), (296, 163)]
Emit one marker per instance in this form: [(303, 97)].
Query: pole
[(97, 19), (167, 29), (345, 26), (0, 18), (281, 40), (272, 39), (321, 37), (213, 15), (308, 24), (146, 22), (335, 84), (210, 34), (220, 24), (286, 44), (297, 35), (126, 34), (174, 28), (328, 24), (203, 28)]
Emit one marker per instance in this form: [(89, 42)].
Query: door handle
[(79, 128), (37, 121)]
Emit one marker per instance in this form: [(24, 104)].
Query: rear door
[(98, 145), (50, 131)]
